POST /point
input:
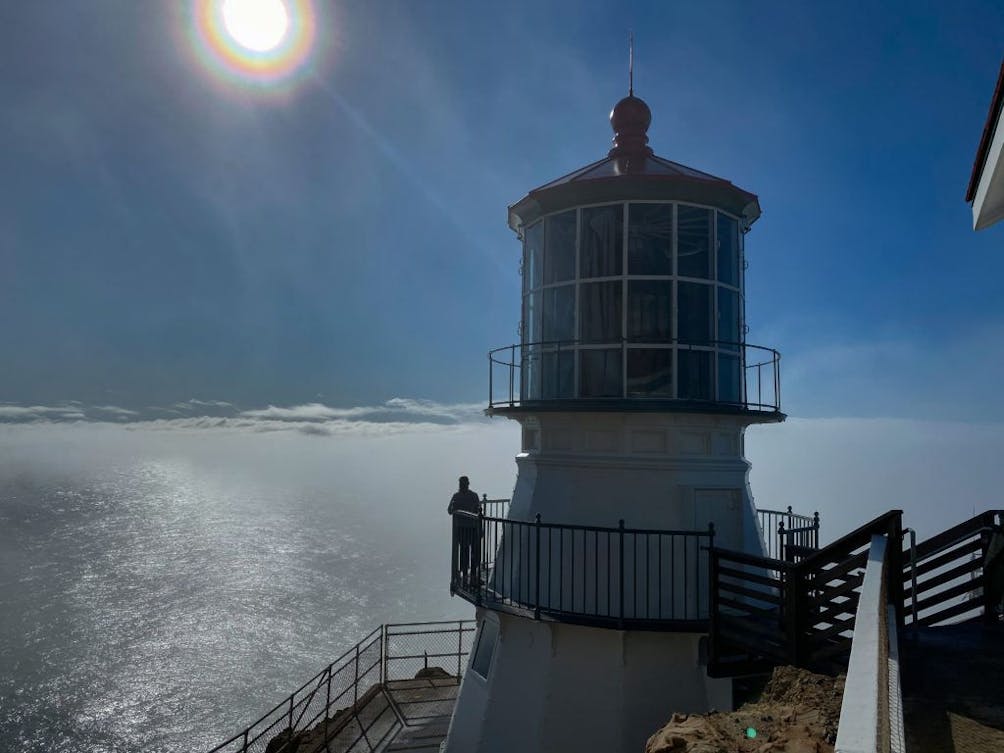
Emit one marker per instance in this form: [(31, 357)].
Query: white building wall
[(556, 687)]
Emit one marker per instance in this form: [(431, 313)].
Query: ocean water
[(160, 590)]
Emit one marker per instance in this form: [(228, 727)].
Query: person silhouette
[(466, 532)]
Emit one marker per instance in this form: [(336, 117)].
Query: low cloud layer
[(316, 419)]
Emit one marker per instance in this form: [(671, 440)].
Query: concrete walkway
[(953, 688)]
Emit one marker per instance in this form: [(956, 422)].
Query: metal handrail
[(794, 532), (755, 395), (352, 674), (584, 574)]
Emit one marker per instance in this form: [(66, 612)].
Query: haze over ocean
[(164, 584), (268, 243)]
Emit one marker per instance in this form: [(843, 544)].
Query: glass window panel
[(559, 314), (533, 253), (481, 660), (728, 318), (600, 311), (650, 310), (728, 379), (695, 374), (531, 318), (559, 259), (600, 241), (694, 312), (530, 376), (558, 377), (600, 373), (650, 372), (728, 250), (693, 241), (650, 239)]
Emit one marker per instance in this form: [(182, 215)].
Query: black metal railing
[(957, 575), (619, 577), (494, 508), (329, 702), (767, 611), (789, 535), (730, 376)]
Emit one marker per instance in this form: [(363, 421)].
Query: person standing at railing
[(466, 531)]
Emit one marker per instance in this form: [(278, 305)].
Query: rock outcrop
[(797, 712)]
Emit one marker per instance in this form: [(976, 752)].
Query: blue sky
[(166, 236)]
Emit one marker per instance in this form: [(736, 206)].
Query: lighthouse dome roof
[(632, 171)]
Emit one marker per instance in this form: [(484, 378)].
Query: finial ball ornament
[(631, 116)]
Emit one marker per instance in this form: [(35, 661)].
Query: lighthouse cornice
[(664, 181)]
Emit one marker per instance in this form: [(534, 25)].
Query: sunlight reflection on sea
[(161, 598)]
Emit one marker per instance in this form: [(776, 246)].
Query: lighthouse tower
[(633, 385)]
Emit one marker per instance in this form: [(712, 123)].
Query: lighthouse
[(633, 385)]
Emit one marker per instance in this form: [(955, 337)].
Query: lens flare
[(255, 42)]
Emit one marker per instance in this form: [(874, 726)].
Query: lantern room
[(632, 288)]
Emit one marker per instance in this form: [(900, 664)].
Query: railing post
[(536, 598), (512, 371), (327, 707), (793, 616), (290, 724), (244, 747), (478, 555), (780, 541), (454, 554), (815, 530), (989, 617), (711, 545), (620, 547), (383, 654), (355, 682), (712, 605), (460, 645)]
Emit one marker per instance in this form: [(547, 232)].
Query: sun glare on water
[(254, 42)]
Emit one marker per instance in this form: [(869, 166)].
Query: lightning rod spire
[(630, 63)]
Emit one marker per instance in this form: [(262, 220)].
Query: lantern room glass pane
[(531, 317), (695, 374), (600, 311), (694, 312), (728, 379), (728, 250), (558, 374), (600, 373), (559, 313), (650, 372), (559, 257), (650, 310), (650, 239), (693, 242), (728, 318), (600, 241), (533, 253)]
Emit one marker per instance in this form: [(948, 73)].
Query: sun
[(256, 25)]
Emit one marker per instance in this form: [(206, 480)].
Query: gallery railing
[(618, 577), (789, 535), (333, 698), (714, 374)]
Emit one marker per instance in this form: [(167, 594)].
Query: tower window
[(484, 650), (693, 242), (600, 241), (650, 239), (559, 261)]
